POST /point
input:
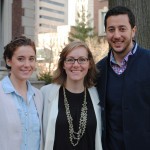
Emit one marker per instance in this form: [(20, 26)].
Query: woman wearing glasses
[(72, 119)]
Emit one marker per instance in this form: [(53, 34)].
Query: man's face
[(120, 34)]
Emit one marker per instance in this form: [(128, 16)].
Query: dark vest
[(114, 126), (135, 101)]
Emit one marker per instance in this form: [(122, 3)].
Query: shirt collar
[(9, 88), (112, 59)]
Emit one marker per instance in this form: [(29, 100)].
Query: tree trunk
[(141, 10)]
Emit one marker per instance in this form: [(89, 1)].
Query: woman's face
[(77, 71), (22, 63)]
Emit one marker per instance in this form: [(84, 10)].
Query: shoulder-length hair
[(59, 76)]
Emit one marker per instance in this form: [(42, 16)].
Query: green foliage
[(82, 30), (47, 77)]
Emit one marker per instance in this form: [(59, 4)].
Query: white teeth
[(26, 70), (118, 42), (76, 71)]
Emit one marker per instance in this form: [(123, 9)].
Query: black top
[(62, 141)]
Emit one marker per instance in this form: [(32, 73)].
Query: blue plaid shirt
[(119, 69), (28, 115)]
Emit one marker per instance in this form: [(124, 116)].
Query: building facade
[(100, 9), (50, 14), (17, 17), (5, 25), (31, 17)]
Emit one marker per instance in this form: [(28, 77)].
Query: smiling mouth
[(75, 70), (26, 71), (117, 42)]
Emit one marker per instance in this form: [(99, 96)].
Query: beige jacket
[(51, 95)]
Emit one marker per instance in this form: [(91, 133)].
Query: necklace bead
[(76, 136)]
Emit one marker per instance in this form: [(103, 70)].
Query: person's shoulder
[(102, 63), (50, 88), (143, 50), (143, 53), (50, 91), (36, 90), (147, 51), (46, 87)]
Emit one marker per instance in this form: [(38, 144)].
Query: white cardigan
[(10, 125), (51, 94)]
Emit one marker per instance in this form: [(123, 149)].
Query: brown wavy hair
[(59, 76)]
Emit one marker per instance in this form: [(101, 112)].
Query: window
[(52, 10), (47, 26), (101, 17), (53, 2), (52, 18)]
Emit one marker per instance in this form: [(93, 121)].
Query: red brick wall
[(98, 5), (17, 13)]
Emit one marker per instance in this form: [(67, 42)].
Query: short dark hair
[(11, 47), (120, 10)]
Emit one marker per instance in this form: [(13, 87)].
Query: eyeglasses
[(80, 60)]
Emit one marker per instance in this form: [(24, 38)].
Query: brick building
[(16, 18), (100, 9)]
